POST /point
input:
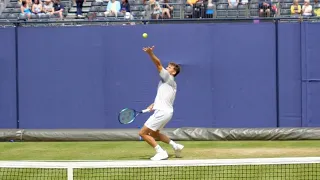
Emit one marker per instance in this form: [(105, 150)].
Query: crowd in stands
[(265, 8), (156, 9), (37, 7)]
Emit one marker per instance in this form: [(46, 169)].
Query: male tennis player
[(162, 107)]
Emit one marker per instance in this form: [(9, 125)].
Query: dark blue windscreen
[(243, 75), (289, 45), (310, 74), (8, 105)]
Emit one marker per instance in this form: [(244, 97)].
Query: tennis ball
[(144, 35)]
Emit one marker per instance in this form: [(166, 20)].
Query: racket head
[(127, 116)]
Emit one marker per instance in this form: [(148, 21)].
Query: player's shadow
[(147, 157), (144, 157)]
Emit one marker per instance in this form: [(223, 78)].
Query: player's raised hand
[(148, 49)]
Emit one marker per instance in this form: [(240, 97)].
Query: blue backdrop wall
[(8, 105), (310, 66), (289, 59), (85, 75)]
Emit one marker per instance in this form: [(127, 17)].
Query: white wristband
[(145, 110)]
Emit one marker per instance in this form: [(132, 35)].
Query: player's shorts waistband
[(163, 110)]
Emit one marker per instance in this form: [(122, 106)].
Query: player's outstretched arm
[(154, 58)]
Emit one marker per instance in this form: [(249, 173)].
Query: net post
[(70, 173)]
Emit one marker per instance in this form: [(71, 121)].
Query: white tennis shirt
[(166, 92)]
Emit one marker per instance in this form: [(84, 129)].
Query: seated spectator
[(48, 7), (113, 8), (264, 8), (25, 10), (37, 7), (233, 3), (209, 10), (125, 9), (125, 6), (166, 9), (58, 8), (155, 9), (295, 8), (307, 8), (316, 8)]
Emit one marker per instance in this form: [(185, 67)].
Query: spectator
[(264, 8), (79, 4), (233, 3), (316, 6), (295, 8), (37, 7), (48, 7), (125, 9), (307, 8), (25, 10), (209, 10), (155, 9), (125, 6), (58, 8), (113, 8), (166, 9)]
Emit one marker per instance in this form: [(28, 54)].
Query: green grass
[(139, 150)]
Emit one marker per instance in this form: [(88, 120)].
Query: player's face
[(171, 70)]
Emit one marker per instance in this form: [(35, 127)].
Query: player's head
[(173, 69)]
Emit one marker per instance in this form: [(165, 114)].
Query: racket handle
[(145, 110)]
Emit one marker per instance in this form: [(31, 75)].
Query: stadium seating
[(96, 8)]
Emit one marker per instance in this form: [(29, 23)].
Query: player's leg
[(149, 128), (162, 137), (145, 134)]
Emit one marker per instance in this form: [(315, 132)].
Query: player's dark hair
[(176, 68)]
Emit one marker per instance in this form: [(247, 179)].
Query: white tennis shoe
[(160, 156), (177, 150)]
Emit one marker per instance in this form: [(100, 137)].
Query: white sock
[(172, 143), (158, 149)]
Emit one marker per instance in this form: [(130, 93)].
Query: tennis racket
[(128, 115)]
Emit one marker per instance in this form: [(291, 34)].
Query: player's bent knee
[(144, 131)]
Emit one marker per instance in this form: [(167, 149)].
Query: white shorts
[(158, 120)]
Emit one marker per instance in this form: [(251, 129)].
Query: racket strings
[(127, 116)]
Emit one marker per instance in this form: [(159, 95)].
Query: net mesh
[(259, 169), (33, 173)]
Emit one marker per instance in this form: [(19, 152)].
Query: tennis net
[(306, 168)]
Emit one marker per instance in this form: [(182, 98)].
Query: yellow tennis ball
[(144, 35)]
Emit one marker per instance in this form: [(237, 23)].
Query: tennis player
[(162, 107)]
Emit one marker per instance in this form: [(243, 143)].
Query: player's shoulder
[(171, 81)]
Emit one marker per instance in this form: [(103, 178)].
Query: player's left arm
[(163, 73), (154, 58)]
